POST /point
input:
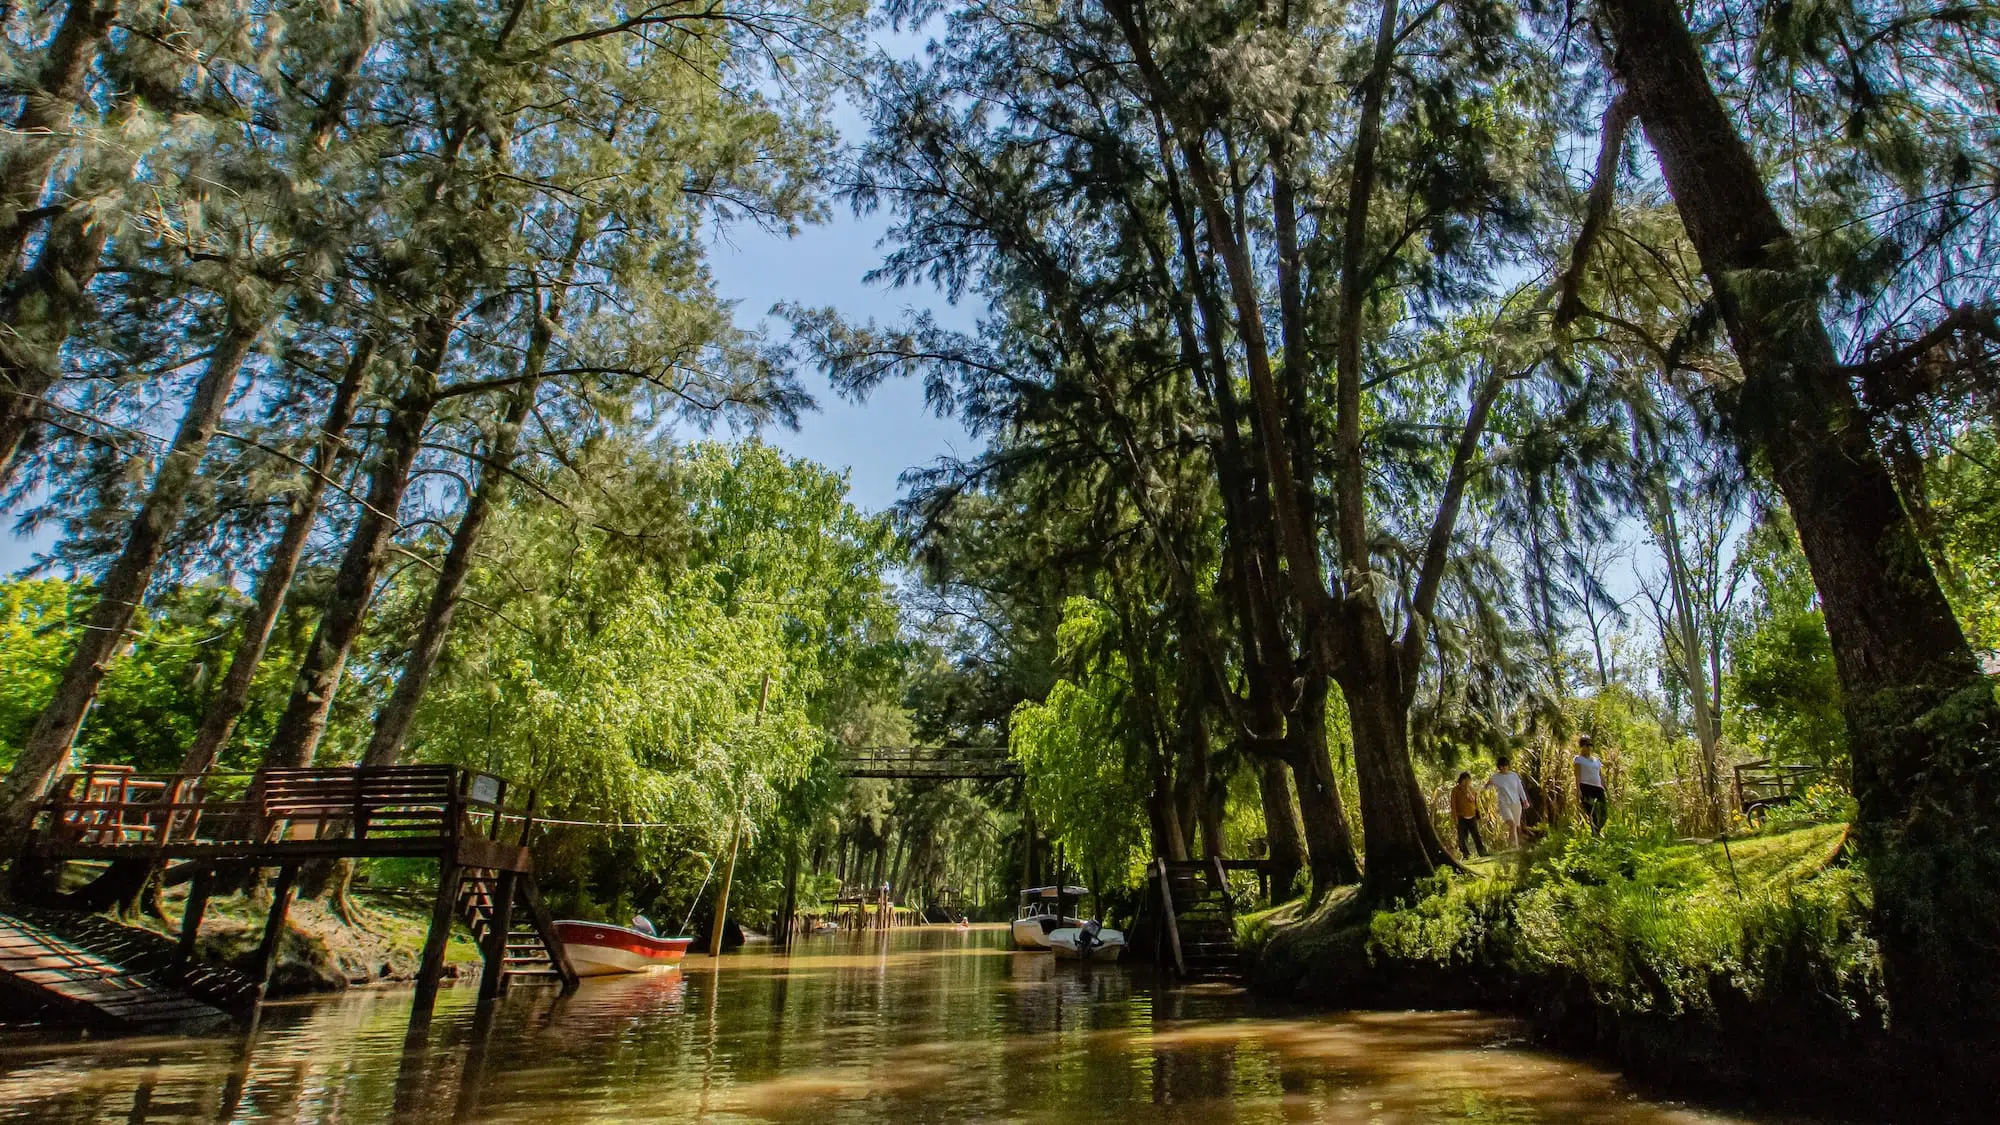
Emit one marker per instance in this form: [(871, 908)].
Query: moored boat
[(600, 948), (1088, 942), (1041, 913)]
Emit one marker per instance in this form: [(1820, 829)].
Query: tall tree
[(124, 584), (1136, 211), (232, 693), (1922, 719)]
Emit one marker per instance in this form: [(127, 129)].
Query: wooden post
[(197, 905), (494, 978), (1033, 863), (360, 805), (274, 927), (735, 841), (499, 802), (431, 967), (1169, 923)]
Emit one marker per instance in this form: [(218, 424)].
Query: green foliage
[(1653, 928), (1073, 748), (1965, 488), (621, 675), (152, 699), (1783, 681), (35, 635), (1448, 920), (1822, 802)]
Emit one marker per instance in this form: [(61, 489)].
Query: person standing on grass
[(1590, 784), (1465, 810), (1512, 797)]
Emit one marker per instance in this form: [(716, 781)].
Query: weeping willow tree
[(614, 651)]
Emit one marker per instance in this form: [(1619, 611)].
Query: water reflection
[(910, 1026)]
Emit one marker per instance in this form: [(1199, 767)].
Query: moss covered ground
[(1744, 965)]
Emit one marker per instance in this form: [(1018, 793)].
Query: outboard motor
[(1086, 938)]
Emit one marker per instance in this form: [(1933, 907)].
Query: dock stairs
[(489, 900), (1198, 919)]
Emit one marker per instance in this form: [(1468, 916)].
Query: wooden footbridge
[(930, 763), (205, 828)]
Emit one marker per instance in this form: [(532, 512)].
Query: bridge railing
[(929, 762), (114, 808)]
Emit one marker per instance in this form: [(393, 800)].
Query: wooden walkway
[(473, 824), (918, 763), (43, 969)]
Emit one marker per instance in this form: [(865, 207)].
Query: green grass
[(1640, 925)]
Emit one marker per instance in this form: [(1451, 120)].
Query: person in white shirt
[(1590, 784), (1511, 797)]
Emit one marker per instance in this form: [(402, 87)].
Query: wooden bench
[(400, 801)]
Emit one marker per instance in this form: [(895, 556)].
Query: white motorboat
[(1041, 914), (1088, 942), (599, 948)]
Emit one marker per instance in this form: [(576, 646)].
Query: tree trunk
[(124, 585), (304, 719), (1329, 843), (39, 134), (393, 725), (1162, 815), (40, 310), (232, 696), (1201, 795), (1403, 845), (1284, 835), (1921, 717)]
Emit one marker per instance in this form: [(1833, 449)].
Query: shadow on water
[(911, 1026)]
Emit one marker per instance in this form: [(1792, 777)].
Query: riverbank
[(1745, 971), (381, 943)]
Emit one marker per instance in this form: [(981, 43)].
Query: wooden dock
[(42, 969), (475, 825)]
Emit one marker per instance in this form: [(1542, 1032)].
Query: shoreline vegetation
[(1743, 967)]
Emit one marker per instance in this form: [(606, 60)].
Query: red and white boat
[(598, 948)]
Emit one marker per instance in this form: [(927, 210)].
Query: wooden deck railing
[(395, 810)]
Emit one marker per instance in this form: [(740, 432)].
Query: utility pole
[(735, 841)]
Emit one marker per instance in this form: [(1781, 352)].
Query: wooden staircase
[(504, 912), (1198, 919)]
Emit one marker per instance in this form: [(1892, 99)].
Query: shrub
[(1656, 928)]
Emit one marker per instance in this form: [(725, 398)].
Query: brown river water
[(917, 1025)]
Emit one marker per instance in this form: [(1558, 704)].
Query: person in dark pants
[(1465, 810), (1590, 784)]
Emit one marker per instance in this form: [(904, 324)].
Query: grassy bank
[(1747, 968)]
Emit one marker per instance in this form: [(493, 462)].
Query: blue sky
[(891, 432)]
